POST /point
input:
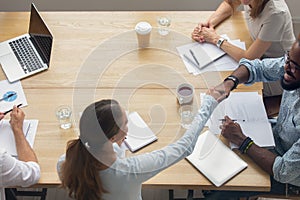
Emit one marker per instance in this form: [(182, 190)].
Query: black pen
[(194, 57), (234, 120), (11, 109), (8, 96)]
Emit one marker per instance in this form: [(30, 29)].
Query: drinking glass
[(186, 113), (163, 25), (63, 114)]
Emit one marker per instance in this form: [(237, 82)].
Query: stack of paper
[(209, 57), (215, 160), (248, 110), (7, 139), (139, 134)]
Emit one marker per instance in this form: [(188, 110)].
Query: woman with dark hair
[(92, 170), (271, 29)]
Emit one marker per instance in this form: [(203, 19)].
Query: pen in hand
[(11, 109)]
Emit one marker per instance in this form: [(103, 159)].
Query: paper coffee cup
[(185, 93), (143, 31)]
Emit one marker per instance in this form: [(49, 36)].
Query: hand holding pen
[(16, 119), (2, 114), (232, 131), (12, 109)]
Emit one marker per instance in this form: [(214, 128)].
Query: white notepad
[(206, 53), (215, 160), (139, 134), (7, 140)]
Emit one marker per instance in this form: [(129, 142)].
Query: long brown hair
[(80, 170), (258, 6)]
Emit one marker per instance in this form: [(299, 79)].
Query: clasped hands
[(205, 32)]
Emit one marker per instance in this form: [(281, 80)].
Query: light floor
[(148, 194)]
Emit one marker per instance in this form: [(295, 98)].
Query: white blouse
[(16, 173), (274, 24)]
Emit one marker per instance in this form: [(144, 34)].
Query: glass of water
[(63, 114), (186, 115), (163, 25)]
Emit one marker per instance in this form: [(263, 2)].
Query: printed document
[(11, 94), (248, 110)]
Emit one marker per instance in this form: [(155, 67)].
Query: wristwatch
[(220, 42), (234, 79)]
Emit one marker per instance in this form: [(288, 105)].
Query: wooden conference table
[(95, 56)]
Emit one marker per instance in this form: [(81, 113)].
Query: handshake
[(219, 92)]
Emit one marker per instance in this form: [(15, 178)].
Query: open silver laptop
[(27, 54)]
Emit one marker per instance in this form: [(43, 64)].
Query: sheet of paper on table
[(7, 88), (7, 140), (210, 57), (248, 110)]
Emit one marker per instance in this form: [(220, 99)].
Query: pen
[(190, 61), (28, 128), (194, 57), (11, 109), (8, 96), (234, 120)]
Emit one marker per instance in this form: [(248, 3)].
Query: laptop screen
[(40, 35)]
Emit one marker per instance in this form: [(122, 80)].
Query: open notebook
[(215, 160), (139, 134), (7, 140), (199, 55)]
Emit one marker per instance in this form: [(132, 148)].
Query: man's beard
[(291, 86)]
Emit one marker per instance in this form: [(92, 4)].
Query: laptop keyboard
[(25, 55)]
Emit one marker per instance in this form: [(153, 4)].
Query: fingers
[(14, 111), (227, 122), (222, 97), (218, 93), (1, 115), (17, 113)]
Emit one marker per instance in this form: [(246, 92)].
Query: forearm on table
[(24, 150), (256, 50), (263, 157)]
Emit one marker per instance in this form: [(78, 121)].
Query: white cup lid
[(143, 28)]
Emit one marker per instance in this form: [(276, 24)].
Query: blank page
[(215, 160), (139, 134)]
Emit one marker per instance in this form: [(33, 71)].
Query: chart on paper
[(11, 94)]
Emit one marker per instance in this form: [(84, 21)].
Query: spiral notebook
[(215, 160)]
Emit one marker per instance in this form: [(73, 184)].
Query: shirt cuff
[(248, 64)]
